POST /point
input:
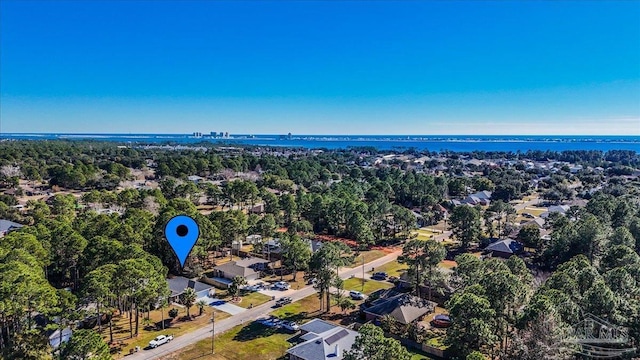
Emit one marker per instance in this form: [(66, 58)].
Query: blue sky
[(325, 67)]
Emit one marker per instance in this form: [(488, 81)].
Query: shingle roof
[(405, 308), (244, 267), (507, 246), (317, 326), (179, 284), (6, 225), (331, 342), (539, 222)]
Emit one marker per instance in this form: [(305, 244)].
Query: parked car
[(283, 301), (441, 321), (290, 325), (270, 321), (160, 340), (356, 295), (379, 276), (281, 285)]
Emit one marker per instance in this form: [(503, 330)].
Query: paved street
[(248, 315)]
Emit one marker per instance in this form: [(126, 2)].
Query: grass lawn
[(425, 234), (418, 355), (535, 211), (393, 268), (369, 285), (251, 341), (254, 298), (299, 310), (177, 327), (436, 342), (369, 256)]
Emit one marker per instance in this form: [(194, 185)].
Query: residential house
[(257, 209), (7, 226), (253, 239), (248, 268), (195, 178), (179, 284), (322, 340), (538, 222), (479, 198), (404, 308), (562, 209), (504, 248), (59, 337), (315, 245)]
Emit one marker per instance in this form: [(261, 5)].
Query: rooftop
[(405, 308), (330, 342), (179, 284)]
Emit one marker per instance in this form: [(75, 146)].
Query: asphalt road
[(247, 316)]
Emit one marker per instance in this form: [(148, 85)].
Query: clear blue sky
[(326, 67)]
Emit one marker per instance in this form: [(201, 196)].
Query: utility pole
[(362, 272), (213, 329)]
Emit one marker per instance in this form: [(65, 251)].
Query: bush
[(173, 313)]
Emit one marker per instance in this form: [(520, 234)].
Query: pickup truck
[(283, 301), (160, 340)]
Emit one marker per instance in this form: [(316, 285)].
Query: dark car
[(379, 276), (283, 301)]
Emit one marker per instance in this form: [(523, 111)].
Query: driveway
[(222, 305)]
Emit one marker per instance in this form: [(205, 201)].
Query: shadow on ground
[(253, 331)]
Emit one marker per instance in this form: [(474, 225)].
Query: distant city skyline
[(366, 68)]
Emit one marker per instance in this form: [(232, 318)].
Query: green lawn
[(369, 256), (425, 234), (418, 355), (393, 268), (299, 310), (254, 298), (369, 285), (535, 211), (251, 341)]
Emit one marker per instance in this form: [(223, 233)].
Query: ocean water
[(457, 143)]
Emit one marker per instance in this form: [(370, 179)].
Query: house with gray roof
[(504, 248), (248, 268), (404, 308), (179, 284), (322, 340), (7, 226)]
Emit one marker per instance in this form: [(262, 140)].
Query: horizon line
[(293, 134)]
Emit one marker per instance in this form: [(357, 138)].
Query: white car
[(291, 326), (356, 295), (160, 340), (282, 285)]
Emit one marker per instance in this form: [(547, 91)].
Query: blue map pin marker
[(182, 233)]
